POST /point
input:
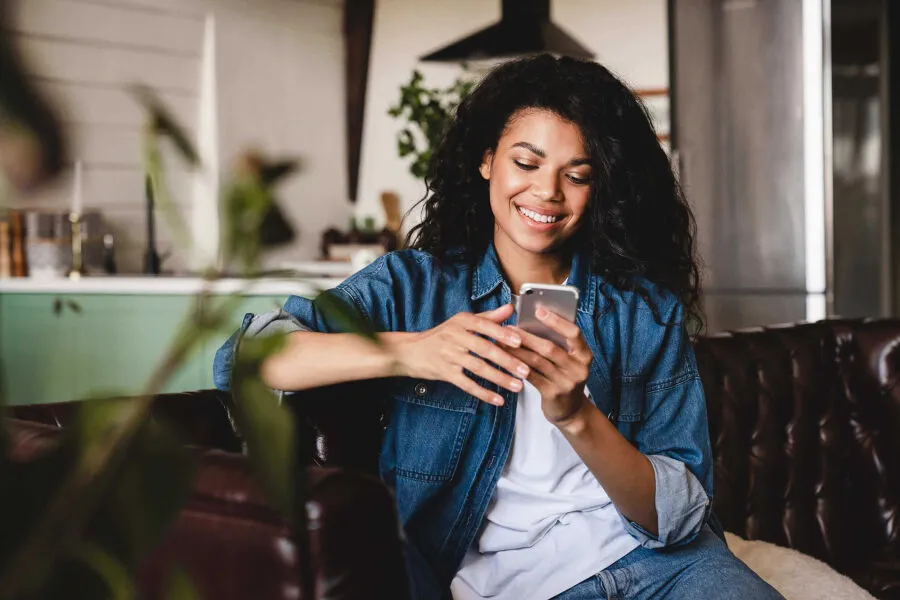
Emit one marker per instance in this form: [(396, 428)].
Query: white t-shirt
[(550, 524)]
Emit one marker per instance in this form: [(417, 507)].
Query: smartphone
[(559, 299)]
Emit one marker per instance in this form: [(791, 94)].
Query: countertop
[(162, 285), (312, 276)]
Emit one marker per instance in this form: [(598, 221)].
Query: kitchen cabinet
[(101, 344)]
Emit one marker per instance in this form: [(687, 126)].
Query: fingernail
[(516, 385), (498, 401), (515, 340), (522, 370), (541, 313)]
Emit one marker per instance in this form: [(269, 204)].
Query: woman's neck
[(521, 266)]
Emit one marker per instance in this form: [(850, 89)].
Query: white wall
[(629, 37), (278, 86), (281, 88)]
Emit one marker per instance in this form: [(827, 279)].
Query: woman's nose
[(546, 189)]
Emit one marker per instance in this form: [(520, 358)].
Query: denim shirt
[(443, 449)]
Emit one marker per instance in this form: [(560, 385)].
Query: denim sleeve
[(675, 438), (369, 292), (298, 314)]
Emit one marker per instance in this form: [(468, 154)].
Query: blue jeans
[(705, 568)]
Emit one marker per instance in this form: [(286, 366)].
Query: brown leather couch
[(227, 538), (805, 425)]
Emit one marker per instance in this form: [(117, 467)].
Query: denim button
[(421, 388)]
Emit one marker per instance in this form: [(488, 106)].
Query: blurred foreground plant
[(84, 514), (32, 147)]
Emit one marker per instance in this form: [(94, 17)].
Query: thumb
[(498, 314)]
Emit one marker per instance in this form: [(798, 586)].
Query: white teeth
[(538, 217)]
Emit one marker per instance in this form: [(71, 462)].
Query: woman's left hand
[(559, 374)]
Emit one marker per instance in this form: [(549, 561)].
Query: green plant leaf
[(344, 317), (254, 350), (268, 430), (32, 138), (162, 122), (267, 427), (157, 189), (122, 479), (34, 483), (181, 587), (151, 484), (113, 573), (74, 571), (430, 111), (419, 168), (246, 202)]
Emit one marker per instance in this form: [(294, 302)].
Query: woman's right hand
[(446, 351)]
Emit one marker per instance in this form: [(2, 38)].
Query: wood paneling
[(108, 25), (83, 54), (87, 104), (74, 61)]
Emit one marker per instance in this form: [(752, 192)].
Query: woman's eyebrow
[(531, 148)]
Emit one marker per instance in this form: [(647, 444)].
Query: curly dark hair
[(639, 223)]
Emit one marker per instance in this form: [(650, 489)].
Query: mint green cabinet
[(109, 344)]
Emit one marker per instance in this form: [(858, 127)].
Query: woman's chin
[(538, 244)]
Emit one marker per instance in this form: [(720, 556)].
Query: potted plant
[(426, 112)]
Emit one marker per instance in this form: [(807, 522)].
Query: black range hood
[(524, 28)]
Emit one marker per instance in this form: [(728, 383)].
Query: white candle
[(77, 199)]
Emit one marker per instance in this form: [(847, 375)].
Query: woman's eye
[(579, 180), (525, 166)]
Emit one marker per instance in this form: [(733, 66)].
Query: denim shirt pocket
[(431, 421), (628, 415)]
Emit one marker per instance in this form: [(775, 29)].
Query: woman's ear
[(485, 168)]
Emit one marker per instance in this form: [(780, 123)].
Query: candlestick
[(77, 254), (77, 197)]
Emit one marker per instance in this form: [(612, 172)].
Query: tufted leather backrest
[(805, 428)]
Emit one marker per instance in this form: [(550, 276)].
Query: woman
[(522, 469)]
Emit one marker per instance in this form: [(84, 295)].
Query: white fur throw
[(794, 574)]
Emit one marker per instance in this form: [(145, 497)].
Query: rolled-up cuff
[(682, 505), (268, 323)]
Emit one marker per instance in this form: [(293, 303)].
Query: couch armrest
[(234, 546), (341, 425), (200, 418)]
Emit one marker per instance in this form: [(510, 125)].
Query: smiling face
[(540, 183)]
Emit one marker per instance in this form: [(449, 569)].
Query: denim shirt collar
[(488, 276)]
